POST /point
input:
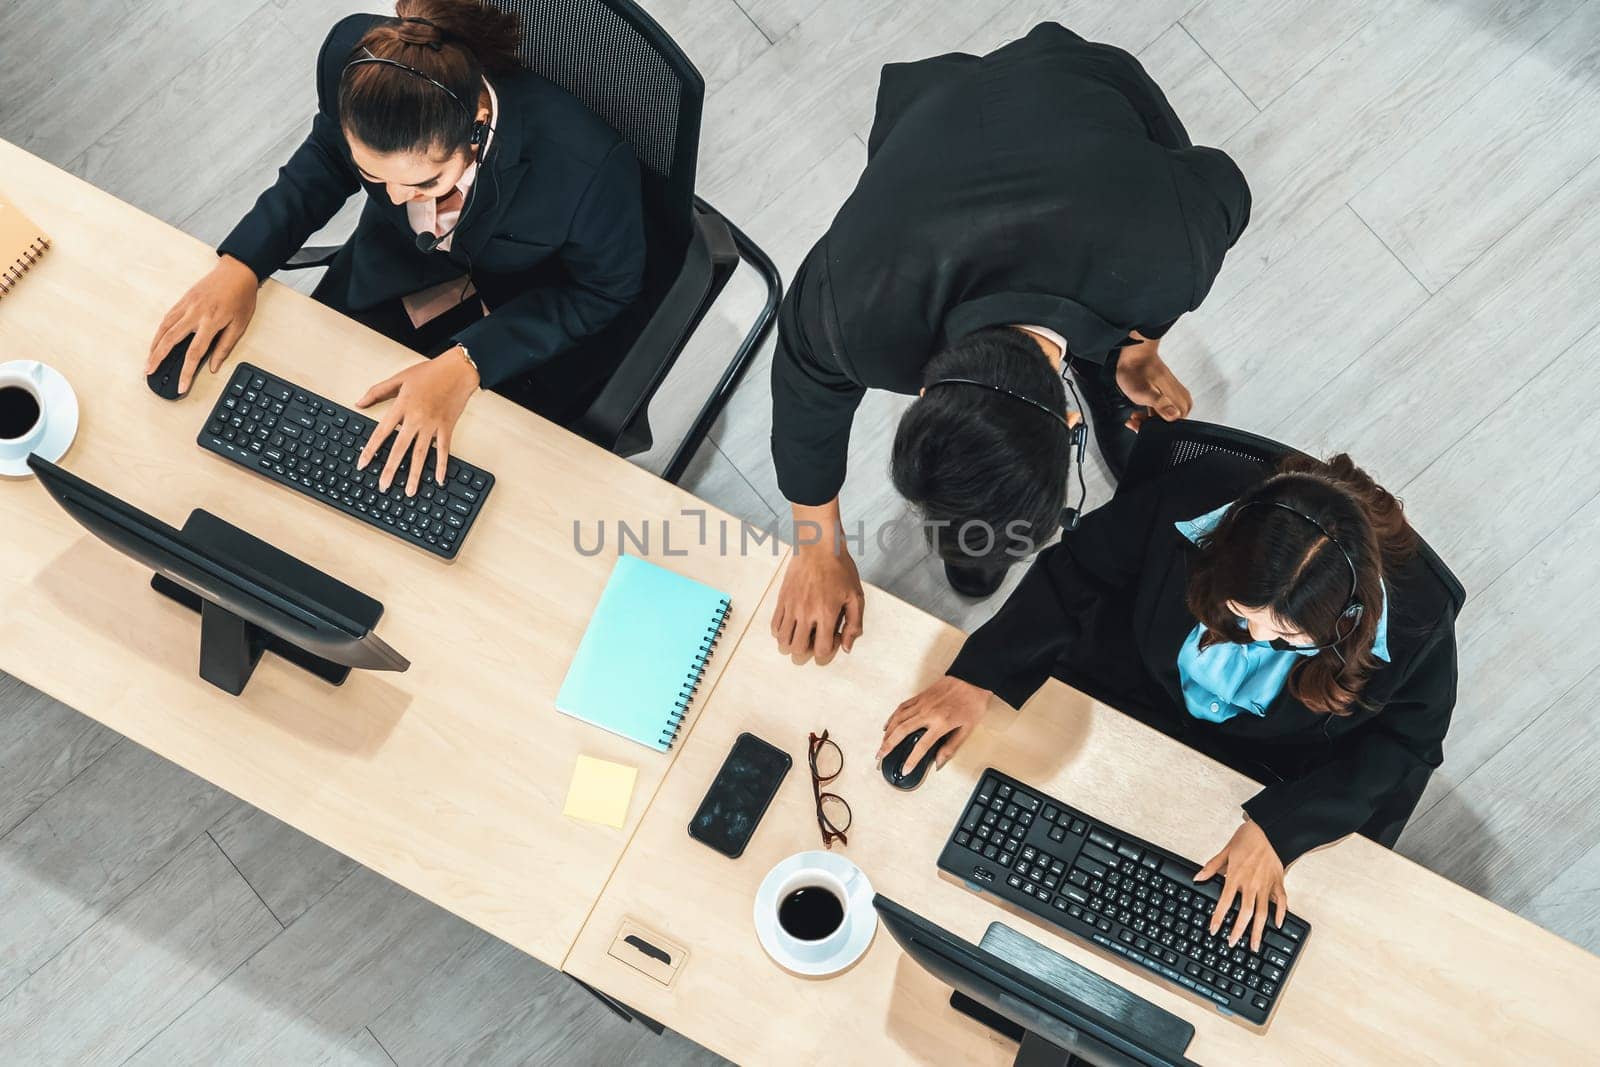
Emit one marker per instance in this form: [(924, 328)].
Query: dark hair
[(1266, 557), (454, 42), (987, 472)]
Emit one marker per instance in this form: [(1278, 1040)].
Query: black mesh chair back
[(1165, 445), (624, 68), (1173, 444)]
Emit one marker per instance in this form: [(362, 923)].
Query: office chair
[(621, 65)]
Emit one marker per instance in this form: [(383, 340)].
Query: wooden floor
[(1417, 286)]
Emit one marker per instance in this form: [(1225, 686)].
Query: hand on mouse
[(217, 308), (428, 399), (1253, 873), (947, 707)]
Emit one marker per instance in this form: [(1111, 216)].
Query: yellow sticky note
[(600, 791)]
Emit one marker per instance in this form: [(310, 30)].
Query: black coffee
[(810, 913), (19, 411)]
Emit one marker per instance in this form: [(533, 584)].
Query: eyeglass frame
[(824, 824)]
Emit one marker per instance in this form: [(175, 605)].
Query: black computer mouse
[(164, 380), (893, 766)]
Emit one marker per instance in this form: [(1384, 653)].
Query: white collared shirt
[(1049, 335)]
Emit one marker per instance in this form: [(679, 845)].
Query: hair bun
[(414, 30)]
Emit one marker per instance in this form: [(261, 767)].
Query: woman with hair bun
[(503, 224), (1281, 622)]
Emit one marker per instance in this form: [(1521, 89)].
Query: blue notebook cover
[(642, 657)]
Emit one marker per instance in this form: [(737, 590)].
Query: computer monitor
[(1061, 1012), (252, 598)]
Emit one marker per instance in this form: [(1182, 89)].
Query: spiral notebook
[(21, 245), (641, 659)]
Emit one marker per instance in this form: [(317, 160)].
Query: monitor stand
[(1156, 1025), (231, 646), (1035, 1051)]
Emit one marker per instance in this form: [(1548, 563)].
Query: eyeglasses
[(833, 814)]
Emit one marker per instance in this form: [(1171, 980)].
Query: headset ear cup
[(480, 133)]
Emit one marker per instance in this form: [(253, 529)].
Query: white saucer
[(60, 406), (863, 917)]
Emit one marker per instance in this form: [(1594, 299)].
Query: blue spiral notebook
[(641, 659)]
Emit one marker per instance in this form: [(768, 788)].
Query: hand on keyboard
[(1253, 873), (310, 444), (1124, 895), (428, 399)]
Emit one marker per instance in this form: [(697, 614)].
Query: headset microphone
[(1078, 439), (1080, 433), (428, 243)]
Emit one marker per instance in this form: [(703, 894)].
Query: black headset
[(1353, 608), (1076, 435), (427, 242)]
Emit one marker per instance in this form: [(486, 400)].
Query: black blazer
[(1108, 604), (1047, 183), (553, 236)]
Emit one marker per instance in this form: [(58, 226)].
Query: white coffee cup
[(815, 951), (27, 375)]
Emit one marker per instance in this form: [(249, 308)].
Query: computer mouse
[(163, 381), (893, 766)]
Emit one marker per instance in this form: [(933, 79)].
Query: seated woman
[(503, 223), (1282, 623)]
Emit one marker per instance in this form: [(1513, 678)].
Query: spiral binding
[(23, 264), (697, 670)]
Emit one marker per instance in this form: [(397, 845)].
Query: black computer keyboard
[(310, 444), (1125, 895)]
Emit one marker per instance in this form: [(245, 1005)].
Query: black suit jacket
[(1048, 183), (1107, 604), (553, 236)]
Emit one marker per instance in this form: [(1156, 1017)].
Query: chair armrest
[(708, 262)]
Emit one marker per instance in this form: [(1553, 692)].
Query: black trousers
[(559, 388)]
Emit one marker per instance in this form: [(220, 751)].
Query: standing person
[(503, 224), (1022, 213)]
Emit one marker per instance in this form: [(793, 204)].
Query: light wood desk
[(1402, 966), (450, 778)]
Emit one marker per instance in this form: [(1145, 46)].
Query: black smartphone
[(739, 795)]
